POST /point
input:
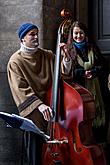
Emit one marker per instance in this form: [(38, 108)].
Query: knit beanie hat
[(25, 28)]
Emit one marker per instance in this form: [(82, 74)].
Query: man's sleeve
[(23, 94)]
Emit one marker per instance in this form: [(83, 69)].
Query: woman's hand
[(88, 74), (65, 53), (62, 45), (46, 111)]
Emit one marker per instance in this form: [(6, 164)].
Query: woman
[(83, 62)]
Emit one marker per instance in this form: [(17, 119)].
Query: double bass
[(70, 104)]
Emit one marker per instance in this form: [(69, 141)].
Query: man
[(30, 74)]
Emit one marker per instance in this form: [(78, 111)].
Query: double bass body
[(65, 146)]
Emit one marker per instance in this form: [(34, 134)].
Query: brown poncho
[(30, 76)]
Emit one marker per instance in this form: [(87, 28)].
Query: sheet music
[(23, 123)]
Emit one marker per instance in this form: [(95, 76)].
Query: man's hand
[(46, 111)]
